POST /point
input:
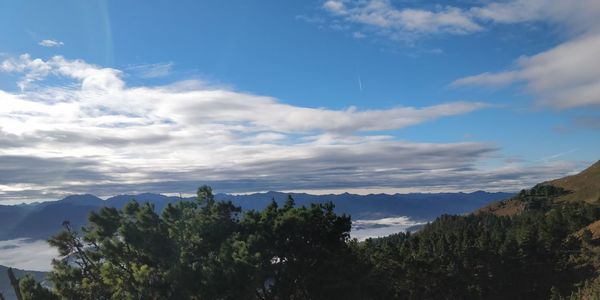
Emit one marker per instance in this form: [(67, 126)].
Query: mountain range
[(41, 220)]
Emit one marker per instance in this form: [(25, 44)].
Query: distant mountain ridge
[(41, 220)]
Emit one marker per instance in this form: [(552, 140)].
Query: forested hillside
[(533, 255)]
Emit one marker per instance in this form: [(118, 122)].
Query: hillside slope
[(543, 243), (584, 187)]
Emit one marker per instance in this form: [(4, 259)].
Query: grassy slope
[(584, 186), (507, 207), (594, 228)]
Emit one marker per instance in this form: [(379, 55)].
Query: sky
[(362, 96)]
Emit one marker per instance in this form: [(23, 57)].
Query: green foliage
[(33, 290), (540, 196), (206, 250), (529, 256)]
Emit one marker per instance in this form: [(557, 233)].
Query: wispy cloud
[(152, 70), (563, 77), (51, 43), (407, 21), (404, 23), (557, 155), (358, 35)]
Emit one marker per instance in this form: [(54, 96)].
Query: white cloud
[(335, 6), (51, 43), (90, 77), (103, 89), (95, 134)]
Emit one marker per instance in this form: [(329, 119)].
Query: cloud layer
[(27, 254), (74, 127), (364, 229)]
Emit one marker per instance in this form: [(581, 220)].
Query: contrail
[(359, 82), (548, 158)]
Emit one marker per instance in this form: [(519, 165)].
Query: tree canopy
[(205, 249)]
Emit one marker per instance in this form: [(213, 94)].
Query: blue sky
[(322, 96)]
